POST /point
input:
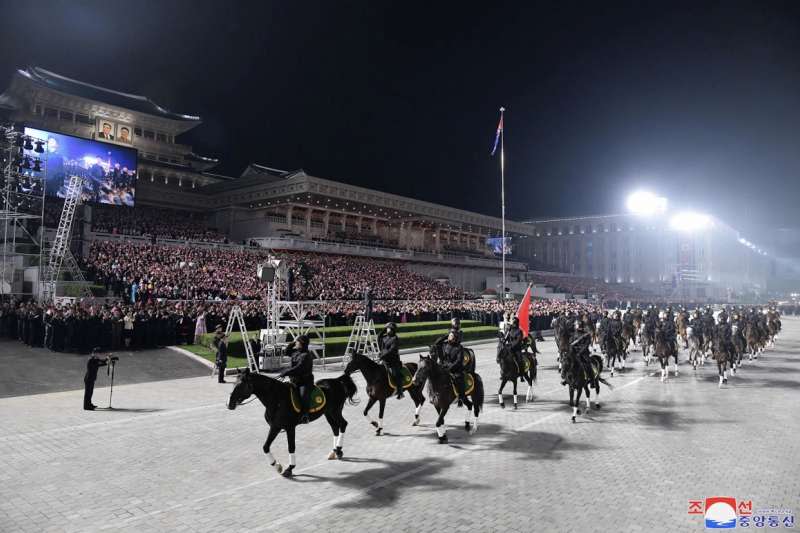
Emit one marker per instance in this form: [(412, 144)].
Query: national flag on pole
[(523, 313), (499, 132)]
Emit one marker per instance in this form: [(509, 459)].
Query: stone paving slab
[(173, 458)]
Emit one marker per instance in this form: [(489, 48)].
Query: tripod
[(112, 364)]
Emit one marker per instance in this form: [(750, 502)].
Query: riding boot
[(305, 393)]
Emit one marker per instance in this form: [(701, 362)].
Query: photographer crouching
[(92, 365)]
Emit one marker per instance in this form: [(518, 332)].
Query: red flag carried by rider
[(523, 313)]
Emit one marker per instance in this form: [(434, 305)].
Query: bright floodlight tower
[(646, 203)]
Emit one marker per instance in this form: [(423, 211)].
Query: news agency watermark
[(725, 512)]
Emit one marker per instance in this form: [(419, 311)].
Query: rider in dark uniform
[(301, 374), (390, 355), (92, 365), (455, 327), (579, 345), (513, 340), (613, 332), (454, 363)]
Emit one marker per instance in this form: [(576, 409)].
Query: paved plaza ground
[(172, 457)]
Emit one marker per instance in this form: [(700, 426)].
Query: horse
[(664, 349), (628, 336), (379, 388), (773, 328), (637, 324), (753, 340), (510, 371), (696, 354), (562, 335), (681, 326), (281, 404), (442, 393), (581, 379), (646, 340), (721, 354), (614, 350), (435, 352), (739, 345)]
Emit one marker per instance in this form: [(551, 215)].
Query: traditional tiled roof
[(134, 102)]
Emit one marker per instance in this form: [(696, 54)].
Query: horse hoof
[(339, 453), (443, 439), (378, 432), (416, 421), (374, 424), (573, 419), (288, 472), (515, 407), (597, 406), (467, 426), (502, 406), (579, 411), (278, 467), (332, 455)]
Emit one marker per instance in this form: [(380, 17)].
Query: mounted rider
[(453, 362), (513, 340), (455, 328), (390, 355), (613, 334), (579, 346), (301, 374)]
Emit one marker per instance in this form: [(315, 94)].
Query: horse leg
[(676, 362), (575, 409), (338, 425), (719, 371), (441, 429), (370, 403), (381, 407), (273, 433), (290, 441), (597, 394), (514, 382), (500, 401), (586, 390), (529, 393), (664, 362), (419, 399)]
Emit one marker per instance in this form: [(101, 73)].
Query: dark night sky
[(699, 101)]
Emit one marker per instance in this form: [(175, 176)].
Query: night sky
[(698, 101)]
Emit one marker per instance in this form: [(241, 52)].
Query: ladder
[(237, 317), (362, 340), (61, 241)]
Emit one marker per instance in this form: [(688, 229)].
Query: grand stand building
[(292, 210)]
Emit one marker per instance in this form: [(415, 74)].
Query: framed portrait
[(106, 130), (124, 134)]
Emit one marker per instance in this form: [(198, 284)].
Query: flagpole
[(503, 200)]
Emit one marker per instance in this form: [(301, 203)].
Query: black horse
[(280, 401), (580, 379), (510, 371), (442, 393), (664, 349), (379, 388)]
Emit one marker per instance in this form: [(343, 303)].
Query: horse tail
[(478, 396), (606, 383), (350, 388), (534, 367)]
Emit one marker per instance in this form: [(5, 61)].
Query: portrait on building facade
[(105, 129)]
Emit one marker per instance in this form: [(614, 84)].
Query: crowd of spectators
[(154, 222), (145, 272)]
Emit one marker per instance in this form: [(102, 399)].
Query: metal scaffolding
[(60, 246), (21, 211)]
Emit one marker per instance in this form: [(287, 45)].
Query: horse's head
[(242, 391), (424, 367), (354, 365)]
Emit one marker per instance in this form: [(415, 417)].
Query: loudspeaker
[(266, 273)]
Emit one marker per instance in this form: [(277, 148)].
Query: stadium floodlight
[(689, 221), (646, 203)]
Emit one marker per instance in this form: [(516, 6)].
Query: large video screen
[(109, 171), (497, 246)]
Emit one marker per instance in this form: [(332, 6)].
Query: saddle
[(469, 384), (526, 365), (316, 403), (407, 378)]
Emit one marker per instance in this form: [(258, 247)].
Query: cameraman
[(221, 344), (92, 365)]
